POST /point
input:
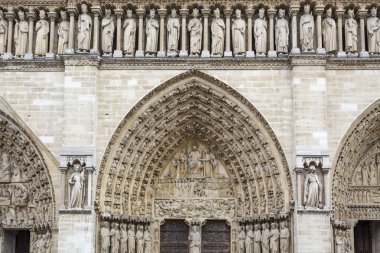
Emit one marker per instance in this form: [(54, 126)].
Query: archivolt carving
[(193, 106), (356, 171)]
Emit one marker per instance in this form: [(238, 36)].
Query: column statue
[(3, 33), (312, 189), (338, 241), (42, 37), (217, 34), (257, 239), (329, 32), (140, 239), (21, 35), (63, 33), (282, 33), (105, 235), (238, 34), (195, 163), (307, 29), (249, 239), (284, 238), (173, 27), (241, 240), (76, 181), (123, 238), (195, 240), (274, 236), (131, 238), (84, 30), (195, 29), (346, 241), (373, 32), (115, 238), (147, 240), (351, 33), (260, 32), (207, 166), (265, 238), (152, 27), (129, 27), (108, 31), (5, 166)]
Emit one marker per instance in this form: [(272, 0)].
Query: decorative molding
[(36, 65), (75, 211), (81, 60)]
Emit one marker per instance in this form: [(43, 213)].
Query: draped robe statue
[(313, 189), (339, 242), (151, 34), (173, 27), (238, 34), (329, 32), (63, 33), (351, 33), (217, 34), (257, 239), (260, 29), (131, 238), (274, 236), (105, 237), (140, 239), (284, 238), (195, 29), (108, 30), (282, 33), (147, 240), (21, 35), (265, 238), (241, 240), (76, 180), (249, 239), (195, 240), (307, 29), (129, 27), (373, 32), (123, 238), (84, 30), (3, 33), (42, 37), (115, 238)]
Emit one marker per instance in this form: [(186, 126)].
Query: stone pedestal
[(272, 54), (295, 51), (183, 53), (117, 54), (227, 54), (341, 54), (139, 54), (50, 56), (94, 51), (321, 51), (7, 56), (161, 54), (28, 57), (250, 54), (363, 54), (205, 54)]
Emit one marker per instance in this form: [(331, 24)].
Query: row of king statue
[(229, 37)]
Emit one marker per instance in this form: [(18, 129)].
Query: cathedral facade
[(189, 126)]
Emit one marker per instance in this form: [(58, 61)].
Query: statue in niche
[(351, 33), (105, 235), (365, 174), (5, 166), (338, 241), (217, 34), (152, 27), (182, 163), (195, 163), (241, 240), (129, 27), (3, 33), (115, 238), (249, 239), (42, 37), (257, 239), (175, 166), (307, 29), (195, 240), (373, 172), (282, 33), (346, 242), (312, 189), (329, 32), (284, 238), (207, 163), (373, 32), (265, 238), (173, 27), (274, 236), (84, 30), (140, 239), (195, 29), (108, 30), (47, 245), (260, 31), (21, 35), (131, 238), (123, 237), (76, 182), (63, 33), (238, 34), (147, 240)]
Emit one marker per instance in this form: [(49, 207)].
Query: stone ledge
[(314, 211), (75, 211), (38, 65)]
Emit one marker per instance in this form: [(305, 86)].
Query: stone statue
[(284, 238), (173, 27), (373, 32), (274, 236), (63, 33), (260, 29), (257, 239), (152, 27), (123, 238), (195, 240), (3, 33), (84, 30), (238, 34), (351, 33), (140, 239), (147, 240), (307, 29), (76, 180), (131, 238), (282, 33), (218, 29), (312, 189), (47, 244), (249, 239), (115, 238), (195, 163), (195, 29), (5, 166), (346, 242), (108, 30), (42, 37), (373, 171), (265, 238), (207, 165), (21, 35), (241, 240), (129, 27), (338, 241), (105, 235), (329, 32)]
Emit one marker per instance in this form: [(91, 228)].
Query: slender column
[(250, 53), (90, 170), (118, 53), (183, 52), (205, 51), (140, 51), (52, 15), (228, 13), (272, 53), (63, 186), (293, 10), (326, 181), (362, 13), (162, 14), (97, 11), (299, 188), (31, 16), (70, 49), (10, 16), (319, 10), (339, 14)]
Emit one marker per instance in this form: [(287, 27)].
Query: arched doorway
[(192, 151), (356, 184)]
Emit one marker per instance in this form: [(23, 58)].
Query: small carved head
[(84, 8), (152, 13), (195, 12), (105, 224), (42, 14), (329, 12), (21, 15), (306, 8), (174, 13), (351, 13), (108, 13), (238, 13), (274, 225), (123, 226), (217, 13), (261, 12), (129, 13), (195, 228), (373, 11), (63, 15), (281, 13)]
